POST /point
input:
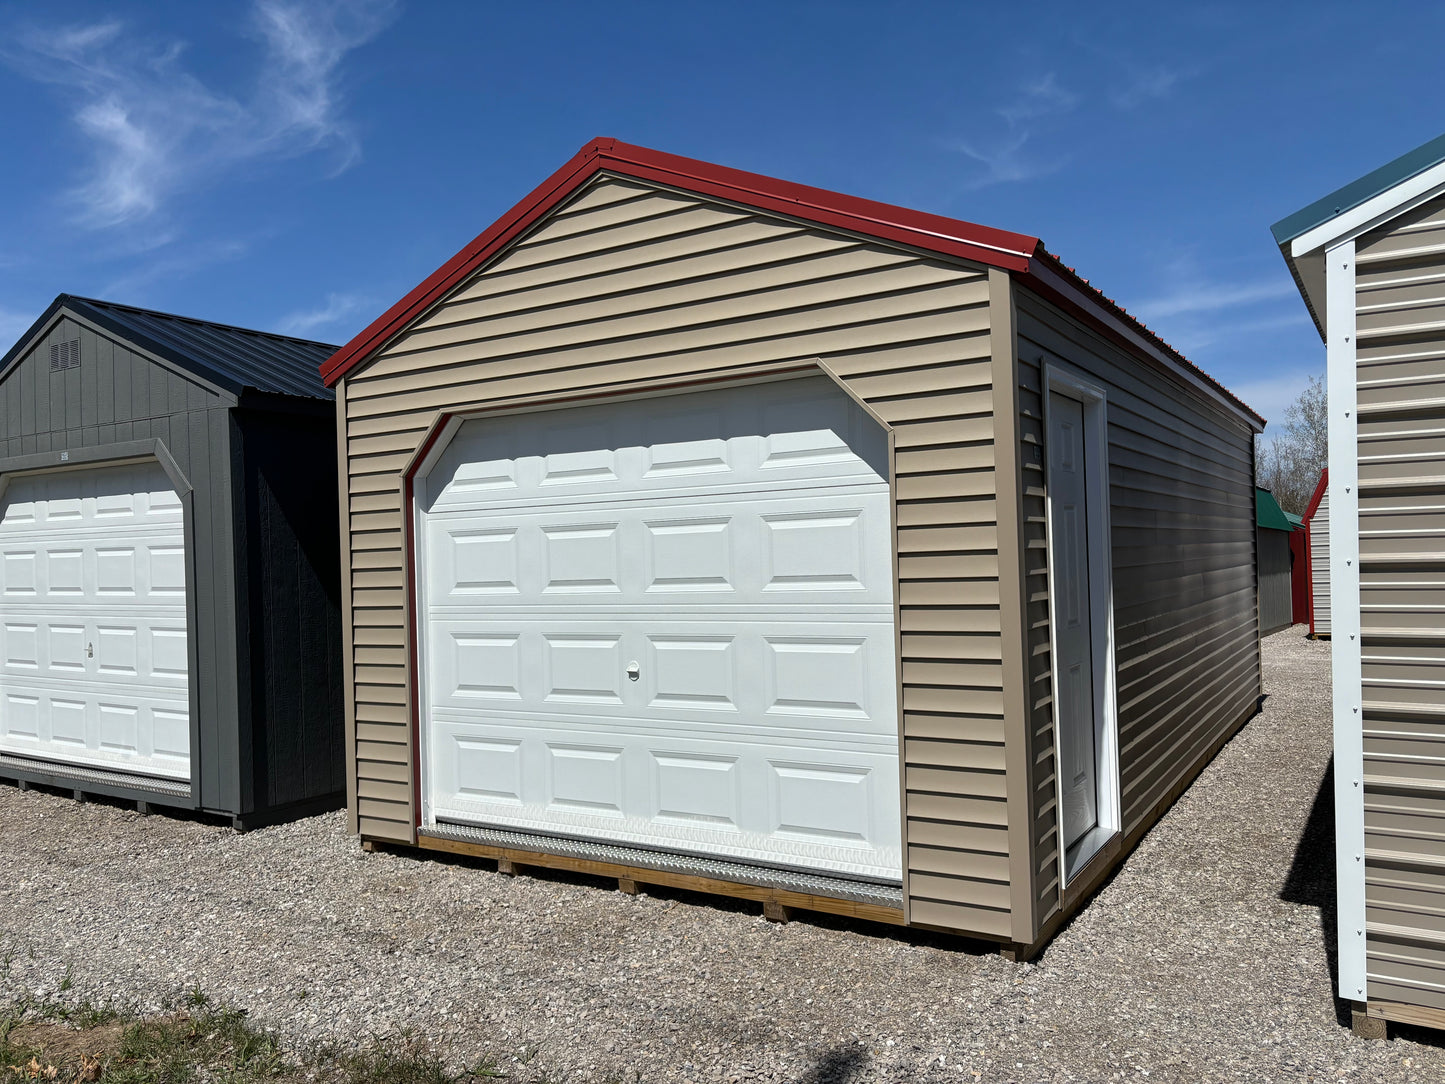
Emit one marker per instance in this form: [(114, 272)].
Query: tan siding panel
[(1401, 382), (627, 286)]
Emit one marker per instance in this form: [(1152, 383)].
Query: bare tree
[(1289, 465)]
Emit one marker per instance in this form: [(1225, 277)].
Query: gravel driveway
[(1204, 959)]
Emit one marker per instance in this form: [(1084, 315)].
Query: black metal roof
[(234, 358), (1357, 192)]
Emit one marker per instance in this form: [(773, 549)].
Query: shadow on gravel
[(1311, 882), (837, 1066), (1311, 879)]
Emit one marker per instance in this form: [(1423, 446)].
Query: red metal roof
[(1017, 253)]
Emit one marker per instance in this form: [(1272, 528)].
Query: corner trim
[(1013, 611), (1345, 664)]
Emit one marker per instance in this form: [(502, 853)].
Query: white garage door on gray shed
[(667, 622), (93, 603)]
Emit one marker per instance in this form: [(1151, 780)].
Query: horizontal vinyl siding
[(117, 395), (632, 284), (1401, 388), (1275, 607), (1320, 565), (1186, 633)]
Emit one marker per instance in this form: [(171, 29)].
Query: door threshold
[(821, 884), (1083, 849)]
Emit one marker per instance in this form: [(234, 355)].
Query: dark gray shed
[(169, 564), (1275, 567)]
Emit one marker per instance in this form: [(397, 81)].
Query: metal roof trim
[(1350, 196)]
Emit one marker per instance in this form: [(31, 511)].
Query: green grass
[(195, 1042)]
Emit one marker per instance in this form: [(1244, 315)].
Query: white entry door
[(93, 607), (1073, 643), (667, 623)]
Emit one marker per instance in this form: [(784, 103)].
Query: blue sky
[(297, 165)]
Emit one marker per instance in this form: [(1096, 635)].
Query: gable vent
[(64, 355)]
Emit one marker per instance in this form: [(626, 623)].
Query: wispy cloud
[(1039, 98), (155, 129), (1008, 156), (337, 308), (183, 260), (1196, 296), (1272, 394), (1149, 84)]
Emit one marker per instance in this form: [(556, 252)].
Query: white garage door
[(669, 623), (93, 603)]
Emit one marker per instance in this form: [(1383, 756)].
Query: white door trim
[(831, 479), (1094, 400)]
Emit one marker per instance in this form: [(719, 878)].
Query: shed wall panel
[(1401, 385), (1181, 494), (1275, 605), (1320, 565), (630, 284)]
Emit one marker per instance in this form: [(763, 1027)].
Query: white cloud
[(154, 129), (1196, 296), (338, 307), (1039, 99), (1005, 161), (1147, 85), (1272, 394), (1008, 158)]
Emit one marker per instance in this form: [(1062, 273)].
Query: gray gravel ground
[(1204, 958)]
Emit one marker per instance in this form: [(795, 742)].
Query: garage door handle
[(90, 651), (634, 671)]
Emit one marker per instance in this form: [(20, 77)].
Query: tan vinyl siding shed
[(636, 290), (1370, 260)]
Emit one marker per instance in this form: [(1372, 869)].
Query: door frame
[(1092, 397)]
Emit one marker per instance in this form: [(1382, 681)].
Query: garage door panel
[(805, 677), (93, 605), (748, 800), (825, 549), (789, 434), (670, 624)]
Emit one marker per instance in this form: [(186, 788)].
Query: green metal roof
[(1357, 192), (1296, 521), (1268, 513)]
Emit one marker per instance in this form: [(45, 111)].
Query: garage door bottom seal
[(95, 775), (789, 880)]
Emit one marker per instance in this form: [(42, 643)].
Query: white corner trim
[(1387, 205), (1057, 378), (1345, 663)]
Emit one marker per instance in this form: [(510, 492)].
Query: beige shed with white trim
[(712, 531)]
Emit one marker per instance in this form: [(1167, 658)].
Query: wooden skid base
[(1377, 1014), (775, 901)]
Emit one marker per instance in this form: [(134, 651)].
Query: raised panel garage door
[(667, 623), (93, 608)]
